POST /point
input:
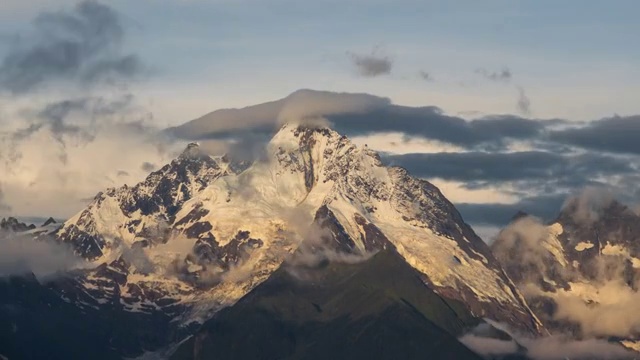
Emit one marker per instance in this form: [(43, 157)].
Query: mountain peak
[(14, 225), (50, 221)]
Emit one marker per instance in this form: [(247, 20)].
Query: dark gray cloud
[(524, 103), (549, 202), (83, 46), (521, 174), (432, 123), (55, 116), (545, 207), (147, 166), (425, 75), (502, 75), (371, 115), (616, 134), (479, 167), (371, 65)]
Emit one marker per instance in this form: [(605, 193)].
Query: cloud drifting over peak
[(538, 161), (43, 258)]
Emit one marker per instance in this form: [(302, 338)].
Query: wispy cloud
[(425, 75), (371, 65), (501, 75), (524, 103), (83, 46)]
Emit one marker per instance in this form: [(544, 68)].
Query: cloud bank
[(22, 255)]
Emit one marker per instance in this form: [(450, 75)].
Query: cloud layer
[(537, 161), (43, 258)]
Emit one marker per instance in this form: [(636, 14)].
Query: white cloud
[(21, 255), (456, 192)]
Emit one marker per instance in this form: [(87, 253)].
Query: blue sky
[(574, 59)]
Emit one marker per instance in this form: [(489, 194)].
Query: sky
[(562, 66)]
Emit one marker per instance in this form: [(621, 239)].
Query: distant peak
[(50, 221), (13, 224)]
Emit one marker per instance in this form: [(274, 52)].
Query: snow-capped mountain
[(203, 232), (143, 212), (163, 256), (581, 264)]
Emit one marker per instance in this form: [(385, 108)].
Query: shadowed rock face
[(378, 308), (37, 323)]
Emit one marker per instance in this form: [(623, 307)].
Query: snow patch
[(583, 245)]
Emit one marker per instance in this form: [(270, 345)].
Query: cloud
[(545, 206), (502, 75), (76, 118), (599, 299), (313, 104), (433, 123), (512, 166), (4, 207), (355, 114), (525, 242), (264, 119), (22, 255), (63, 146), (83, 46), (371, 65), (617, 134), (547, 348), (147, 166), (425, 75), (613, 312), (524, 103), (587, 206), (42, 176)]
